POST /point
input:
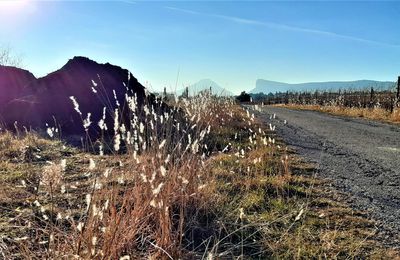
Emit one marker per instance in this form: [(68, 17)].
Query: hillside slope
[(47, 100), (13, 83)]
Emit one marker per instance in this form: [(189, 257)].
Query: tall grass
[(143, 202), (199, 178)]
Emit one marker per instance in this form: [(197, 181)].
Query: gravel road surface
[(361, 157)]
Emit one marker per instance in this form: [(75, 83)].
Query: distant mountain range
[(267, 86), (205, 84)]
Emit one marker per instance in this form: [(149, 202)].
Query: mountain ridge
[(36, 102), (268, 86)]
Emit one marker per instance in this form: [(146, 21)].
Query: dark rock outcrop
[(33, 103), (13, 83)]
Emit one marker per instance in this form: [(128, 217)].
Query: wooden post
[(396, 100), (316, 97), (287, 97), (186, 92), (372, 103), (344, 99), (393, 103)]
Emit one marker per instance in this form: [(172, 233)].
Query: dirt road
[(361, 157)]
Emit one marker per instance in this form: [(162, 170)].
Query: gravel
[(361, 157)]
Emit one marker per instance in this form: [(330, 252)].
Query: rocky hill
[(33, 103), (13, 82)]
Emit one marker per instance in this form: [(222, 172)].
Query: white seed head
[(162, 144), (163, 170), (157, 190), (80, 226), (76, 104), (92, 164)]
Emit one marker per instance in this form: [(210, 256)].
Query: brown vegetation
[(219, 185), (369, 113)]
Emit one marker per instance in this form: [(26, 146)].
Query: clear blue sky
[(232, 43)]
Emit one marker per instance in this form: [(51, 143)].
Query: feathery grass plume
[(87, 122), (92, 164), (76, 105)]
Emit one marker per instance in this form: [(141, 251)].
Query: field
[(205, 180), (368, 113), (380, 105)]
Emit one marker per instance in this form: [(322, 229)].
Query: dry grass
[(369, 113), (230, 192), (272, 212)]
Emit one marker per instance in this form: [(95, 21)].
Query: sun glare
[(15, 12), (12, 5)]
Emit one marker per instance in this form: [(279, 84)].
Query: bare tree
[(7, 58)]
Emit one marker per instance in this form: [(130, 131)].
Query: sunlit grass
[(368, 113), (204, 179)]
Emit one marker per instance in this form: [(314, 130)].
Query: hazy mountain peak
[(205, 84), (207, 81)]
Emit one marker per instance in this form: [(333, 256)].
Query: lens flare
[(14, 13), (12, 4)]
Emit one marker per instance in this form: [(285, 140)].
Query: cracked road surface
[(361, 157)]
